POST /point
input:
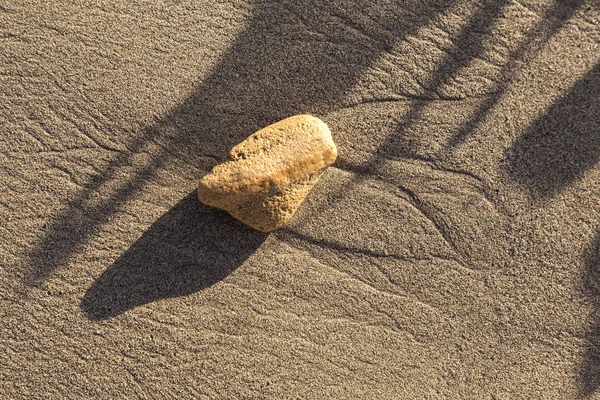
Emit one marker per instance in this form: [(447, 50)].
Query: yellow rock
[(267, 176)]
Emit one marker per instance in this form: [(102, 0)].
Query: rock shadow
[(189, 248), (563, 143)]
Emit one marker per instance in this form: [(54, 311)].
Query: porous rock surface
[(269, 174)]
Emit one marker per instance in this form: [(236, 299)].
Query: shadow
[(293, 57), (563, 143), (589, 372), (467, 45), (189, 248), (539, 35)]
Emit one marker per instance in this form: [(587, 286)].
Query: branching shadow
[(552, 21), (563, 143), (468, 45), (589, 372), (189, 248)]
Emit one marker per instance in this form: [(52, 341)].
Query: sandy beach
[(451, 251)]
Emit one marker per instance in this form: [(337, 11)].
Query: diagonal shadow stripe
[(589, 370), (562, 144)]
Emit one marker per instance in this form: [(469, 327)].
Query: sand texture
[(451, 251)]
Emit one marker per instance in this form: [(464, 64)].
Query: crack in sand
[(401, 297), (282, 233)]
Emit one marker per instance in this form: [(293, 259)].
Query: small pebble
[(269, 174)]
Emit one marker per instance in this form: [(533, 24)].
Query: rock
[(269, 174)]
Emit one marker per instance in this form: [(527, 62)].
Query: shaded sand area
[(452, 251)]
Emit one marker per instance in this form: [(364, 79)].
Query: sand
[(452, 251)]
